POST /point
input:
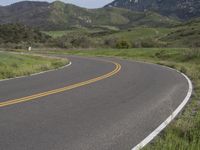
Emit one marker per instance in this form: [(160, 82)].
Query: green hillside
[(61, 16), (75, 27), (139, 33), (187, 34)]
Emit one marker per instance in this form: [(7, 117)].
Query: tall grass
[(13, 65)]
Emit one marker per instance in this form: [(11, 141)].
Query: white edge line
[(69, 64), (151, 136)]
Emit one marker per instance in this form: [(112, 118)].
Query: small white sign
[(29, 48)]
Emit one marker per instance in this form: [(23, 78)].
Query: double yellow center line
[(59, 90)]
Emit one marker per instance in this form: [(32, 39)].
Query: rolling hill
[(187, 34), (61, 16)]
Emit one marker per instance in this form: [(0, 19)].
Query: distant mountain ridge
[(60, 16), (182, 9)]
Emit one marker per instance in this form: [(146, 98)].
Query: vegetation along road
[(102, 102), (14, 65), (95, 103)]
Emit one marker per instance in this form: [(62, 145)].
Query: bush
[(75, 40), (136, 44), (162, 54), (111, 42), (16, 33), (151, 43), (123, 44), (82, 42), (183, 69), (191, 53), (63, 43), (148, 44)]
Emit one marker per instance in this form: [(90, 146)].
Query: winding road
[(94, 104)]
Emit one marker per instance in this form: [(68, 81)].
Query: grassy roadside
[(184, 132), (13, 65)]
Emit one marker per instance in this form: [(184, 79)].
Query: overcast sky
[(82, 3)]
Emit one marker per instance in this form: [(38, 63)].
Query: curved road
[(113, 113)]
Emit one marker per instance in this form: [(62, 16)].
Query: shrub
[(191, 53), (82, 42), (136, 44), (75, 40), (111, 42), (183, 69), (16, 33), (148, 44), (162, 54), (62, 42), (123, 44)]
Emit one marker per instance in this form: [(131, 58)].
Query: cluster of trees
[(74, 40), (17, 34), (125, 44)]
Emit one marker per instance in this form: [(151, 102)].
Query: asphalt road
[(115, 113)]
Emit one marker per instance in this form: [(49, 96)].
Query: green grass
[(184, 132), (13, 65), (130, 34), (140, 33), (56, 34)]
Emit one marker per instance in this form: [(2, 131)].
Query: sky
[(82, 3)]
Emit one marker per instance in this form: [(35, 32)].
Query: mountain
[(29, 13), (182, 9), (60, 16)]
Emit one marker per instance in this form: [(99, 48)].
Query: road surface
[(123, 104)]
